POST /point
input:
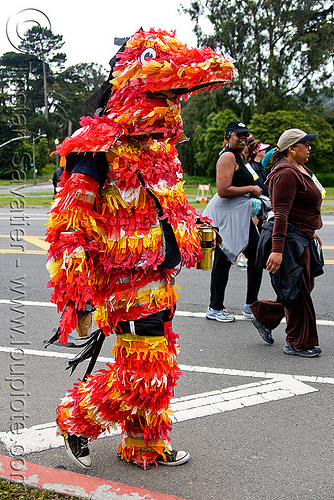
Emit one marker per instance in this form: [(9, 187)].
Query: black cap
[(308, 137), (236, 126)]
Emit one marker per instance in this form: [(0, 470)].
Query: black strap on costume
[(55, 337), (151, 194), (97, 103), (92, 348), (173, 256), (54, 340)]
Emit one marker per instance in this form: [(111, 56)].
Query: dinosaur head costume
[(121, 209), (147, 81)]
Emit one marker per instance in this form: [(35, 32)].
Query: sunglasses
[(306, 144), (242, 134)]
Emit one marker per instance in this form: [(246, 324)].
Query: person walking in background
[(259, 158), (295, 257), (256, 154), (56, 179), (231, 209)]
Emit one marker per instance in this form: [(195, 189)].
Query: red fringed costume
[(107, 243)]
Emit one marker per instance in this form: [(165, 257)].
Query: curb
[(71, 483)]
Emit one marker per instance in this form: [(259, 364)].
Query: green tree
[(195, 112), (280, 46), (271, 125), (44, 45), (42, 154), (208, 141), (21, 78), (69, 92)]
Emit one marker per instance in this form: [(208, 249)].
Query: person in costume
[(119, 231)]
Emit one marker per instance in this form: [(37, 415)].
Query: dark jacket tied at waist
[(287, 280)]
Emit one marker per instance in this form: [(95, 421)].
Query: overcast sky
[(89, 28)]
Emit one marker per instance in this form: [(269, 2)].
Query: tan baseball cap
[(292, 136)]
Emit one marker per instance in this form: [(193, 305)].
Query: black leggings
[(221, 268)]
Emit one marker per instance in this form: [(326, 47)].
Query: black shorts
[(150, 326)]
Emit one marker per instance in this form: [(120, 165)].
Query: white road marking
[(40, 437), (28, 303), (232, 398), (275, 386), (51, 354), (188, 368), (188, 314), (43, 437), (30, 217), (184, 314)]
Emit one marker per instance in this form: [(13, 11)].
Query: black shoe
[(263, 330), (305, 353), (173, 457), (77, 450)]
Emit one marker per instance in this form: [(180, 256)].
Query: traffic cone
[(202, 200)]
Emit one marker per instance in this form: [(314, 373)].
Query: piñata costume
[(118, 230)]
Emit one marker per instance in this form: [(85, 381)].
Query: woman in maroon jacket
[(296, 197)]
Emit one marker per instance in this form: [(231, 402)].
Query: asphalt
[(258, 424)]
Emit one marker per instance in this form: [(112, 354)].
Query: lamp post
[(57, 156), (15, 139), (33, 154)]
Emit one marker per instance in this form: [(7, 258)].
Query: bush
[(42, 153), (49, 168), (208, 141), (326, 179), (195, 180), (270, 126)]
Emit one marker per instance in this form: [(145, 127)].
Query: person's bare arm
[(225, 169)]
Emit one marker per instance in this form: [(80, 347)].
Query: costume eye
[(148, 54)]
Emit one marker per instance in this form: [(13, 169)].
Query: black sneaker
[(77, 450), (173, 457), (305, 353), (263, 330)]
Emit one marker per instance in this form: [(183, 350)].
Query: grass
[(15, 491), (29, 179), (29, 201), (45, 198), (327, 208), (329, 192)]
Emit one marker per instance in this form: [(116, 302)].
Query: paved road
[(258, 423), (48, 187), (27, 188)]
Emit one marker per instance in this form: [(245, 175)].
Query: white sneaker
[(242, 261), (224, 315), (77, 450), (246, 312), (173, 457)]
